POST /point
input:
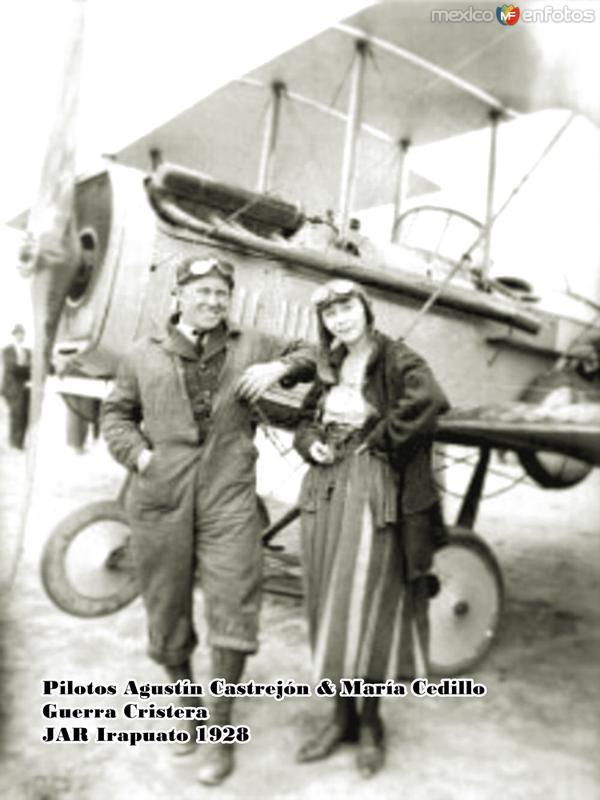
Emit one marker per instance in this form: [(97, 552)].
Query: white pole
[(491, 182), (401, 185), (352, 131), (267, 158)]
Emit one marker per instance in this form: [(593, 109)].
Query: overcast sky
[(143, 63)]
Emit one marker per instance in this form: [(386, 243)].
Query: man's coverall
[(194, 509)]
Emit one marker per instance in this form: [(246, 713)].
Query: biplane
[(236, 174)]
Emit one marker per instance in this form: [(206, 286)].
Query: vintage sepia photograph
[(300, 414)]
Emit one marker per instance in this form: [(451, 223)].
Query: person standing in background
[(16, 362)]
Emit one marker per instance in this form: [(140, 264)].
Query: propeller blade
[(50, 253)]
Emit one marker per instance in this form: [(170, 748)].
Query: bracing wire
[(468, 460), (483, 232), (344, 78)]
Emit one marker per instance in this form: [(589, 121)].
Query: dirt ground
[(534, 735)]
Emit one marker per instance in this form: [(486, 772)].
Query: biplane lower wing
[(572, 430)]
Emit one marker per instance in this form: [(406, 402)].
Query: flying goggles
[(192, 268), (338, 289)]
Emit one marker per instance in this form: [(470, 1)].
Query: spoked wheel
[(87, 566), (465, 615)]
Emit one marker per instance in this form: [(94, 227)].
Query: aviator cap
[(341, 289), (191, 268)]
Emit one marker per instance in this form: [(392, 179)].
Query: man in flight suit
[(180, 417)]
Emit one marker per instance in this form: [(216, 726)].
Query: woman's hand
[(321, 453)]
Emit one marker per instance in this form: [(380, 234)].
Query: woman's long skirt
[(363, 568)]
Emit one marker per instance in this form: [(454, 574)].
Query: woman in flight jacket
[(370, 513)]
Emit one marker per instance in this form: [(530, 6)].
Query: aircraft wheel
[(554, 470), (87, 567), (464, 616)]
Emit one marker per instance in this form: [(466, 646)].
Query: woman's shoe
[(371, 748), (327, 740)]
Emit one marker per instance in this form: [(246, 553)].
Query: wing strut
[(470, 504), (491, 185), (401, 187), (429, 66), (352, 131), (267, 158)]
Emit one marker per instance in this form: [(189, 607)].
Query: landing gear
[(465, 614)]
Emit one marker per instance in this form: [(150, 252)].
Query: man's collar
[(177, 342), (191, 334), (182, 342)]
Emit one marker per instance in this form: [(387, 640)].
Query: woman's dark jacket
[(399, 384)]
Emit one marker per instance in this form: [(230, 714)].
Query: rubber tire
[(534, 467), (463, 537), (53, 564), (532, 461)]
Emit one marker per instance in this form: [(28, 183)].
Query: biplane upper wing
[(572, 429), (426, 79)]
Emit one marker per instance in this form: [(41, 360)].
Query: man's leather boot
[(219, 758), (370, 756), (180, 672)]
